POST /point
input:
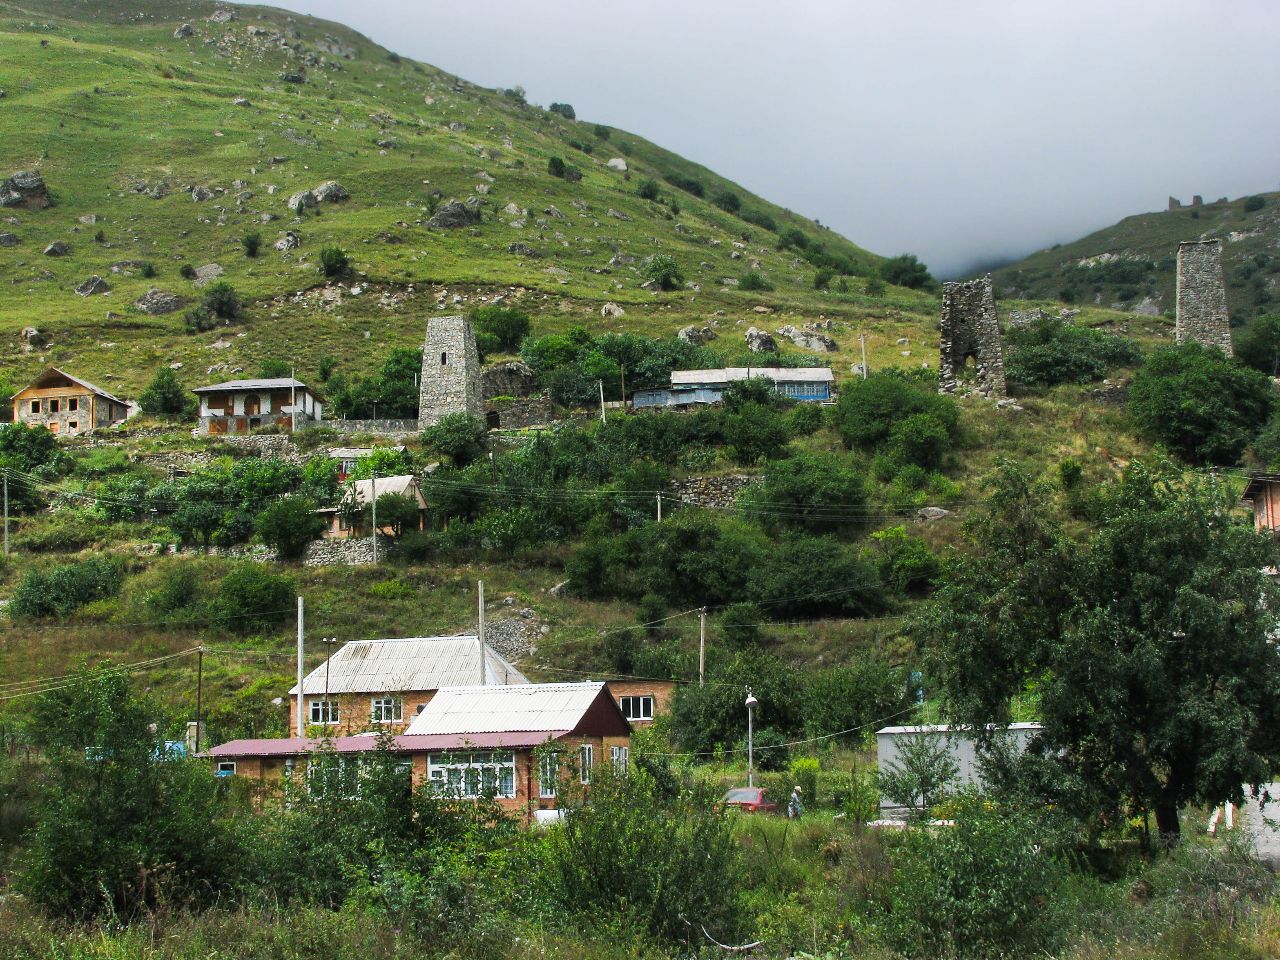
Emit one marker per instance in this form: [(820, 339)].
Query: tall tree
[(1147, 643)]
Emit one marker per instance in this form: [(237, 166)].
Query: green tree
[(252, 598), (815, 491), (1147, 642), (1199, 403), (458, 436), (922, 776), (275, 369), (556, 167), (252, 243), (333, 260), (869, 410), (663, 272), (382, 462), (756, 432), (165, 396), (196, 520), (906, 271), (647, 189), (289, 525), (1258, 344), (507, 325), (856, 697), (1050, 352), (398, 512)]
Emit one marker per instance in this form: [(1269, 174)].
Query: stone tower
[(450, 371), (1202, 295), (969, 329)]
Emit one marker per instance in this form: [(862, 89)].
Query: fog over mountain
[(961, 132)]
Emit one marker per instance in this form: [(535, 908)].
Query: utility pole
[(601, 384), (862, 337), (6, 511), (702, 645), (302, 729), (199, 692), (659, 506), (480, 630), (624, 386), (373, 499), (293, 399)]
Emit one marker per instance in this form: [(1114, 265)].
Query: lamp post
[(751, 766)]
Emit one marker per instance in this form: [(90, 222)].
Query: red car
[(749, 800)]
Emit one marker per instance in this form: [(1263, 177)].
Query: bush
[(187, 272), (808, 576), (62, 589), (816, 491), (920, 439), (165, 396), (508, 326), (251, 598), (754, 280), (556, 167), (1258, 344), (771, 752), (868, 410), (756, 432), (601, 131), (147, 270), (686, 183), (1050, 352), (822, 279), (289, 525), (1199, 403), (874, 287), (855, 697), (727, 200), (333, 261), (663, 272), (459, 436), (647, 189), (760, 219), (1254, 203), (906, 271), (221, 300), (252, 243), (564, 109), (806, 419)]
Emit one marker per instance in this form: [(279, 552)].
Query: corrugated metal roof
[(729, 374), (295, 746), (355, 453), (409, 663), (74, 379), (947, 728), (548, 708), (405, 486), (275, 383)]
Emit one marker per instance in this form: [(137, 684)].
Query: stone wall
[(525, 412), (511, 379), (1202, 296), (329, 553), (263, 445), (719, 491), (970, 329), (450, 371), (381, 428)]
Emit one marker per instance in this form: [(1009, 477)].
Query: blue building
[(697, 387)]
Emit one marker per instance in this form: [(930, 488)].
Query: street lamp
[(751, 767)]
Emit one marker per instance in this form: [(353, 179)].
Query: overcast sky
[(959, 130)]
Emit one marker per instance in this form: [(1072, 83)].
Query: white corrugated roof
[(948, 728), (729, 374), (405, 486), (409, 663), (550, 707), (272, 383), (355, 453)]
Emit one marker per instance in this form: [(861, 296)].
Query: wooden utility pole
[(480, 630), (302, 727), (373, 499), (6, 511), (199, 692), (702, 645)]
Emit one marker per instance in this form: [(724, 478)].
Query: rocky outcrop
[(758, 341), (611, 311), (513, 379), (807, 339), (210, 271), (184, 31), (289, 241), (25, 189), (94, 285), (200, 194), (455, 214), (301, 201), (8, 239), (617, 163), (696, 335), (57, 249), (524, 250), (158, 302), (331, 191), (33, 339)]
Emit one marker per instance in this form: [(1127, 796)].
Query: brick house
[(361, 493), (67, 405), (516, 743), (383, 684), (641, 701), (1262, 496), (239, 406)]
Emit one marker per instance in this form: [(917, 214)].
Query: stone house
[(381, 685), (360, 494), (67, 405), (516, 743), (1262, 496), (240, 406)]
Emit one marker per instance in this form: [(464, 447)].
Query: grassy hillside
[(1133, 264)]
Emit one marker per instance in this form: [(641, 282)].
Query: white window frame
[(470, 774), (226, 768), (634, 706), (386, 709), (586, 759), (619, 756), (344, 773), (548, 775), (318, 712)]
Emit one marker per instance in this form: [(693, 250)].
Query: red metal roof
[(421, 743)]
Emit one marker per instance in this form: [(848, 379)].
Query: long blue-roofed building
[(691, 388)]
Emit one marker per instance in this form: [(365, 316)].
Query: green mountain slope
[(123, 119), (1133, 264)]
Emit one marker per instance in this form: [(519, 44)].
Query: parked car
[(749, 800)]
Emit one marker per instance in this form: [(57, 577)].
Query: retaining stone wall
[(719, 491), (381, 428), (351, 553)]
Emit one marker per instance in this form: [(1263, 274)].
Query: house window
[(444, 359), (489, 773), (73, 425), (619, 756), (73, 403), (386, 710), (324, 711), (55, 406), (35, 406), (548, 775), (226, 768), (349, 466), (637, 708), (330, 775), (586, 757)]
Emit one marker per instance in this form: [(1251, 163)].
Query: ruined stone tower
[(450, 371), (969, 329), (1202, 296)]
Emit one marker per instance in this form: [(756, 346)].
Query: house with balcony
[(242, 406)]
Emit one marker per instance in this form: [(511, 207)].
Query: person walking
[(794, 806)]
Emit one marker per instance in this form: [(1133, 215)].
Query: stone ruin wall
[(454, 385), (970, 329), (1202, 296)]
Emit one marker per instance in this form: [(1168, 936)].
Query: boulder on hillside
[(331, 191), (617, 163), (287, 76), (241, 102), (210, 271), (200, 193), (696, 335), (33, 339), (94, 285), (222, 15), (302, 200), (513, 379), (57, 249), (760, 342), (524, 250), (158, 302), (184, 31), (932, 513), (26, 189), (808, 339), (8, 239), (455, 214), (611, 311), (290, 241)]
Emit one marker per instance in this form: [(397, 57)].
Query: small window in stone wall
[(444, 359), (35, 406), (53, 406), (73, 403)]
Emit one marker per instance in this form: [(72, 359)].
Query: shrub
[(1254, 203), (1258, 344), (868, 410), (822, 279), (252, 243), (756, 432), (793, 238), (147, 270), (906, 562), (166, 397), (62, 589), (289, 525), (806, 419), (647, 189), (754, 280), (325, 367), (187, 271), (333, 260), (920, 439), (564, 109), (686, 183), (663, 272), (874, 287), (771, 751), (760, 219), (556, 167), (508, 326), (807, 576), (251, 598), (1199, 403), (816, 491), (571, 173), (853, 697), (459, 436), (601, 131), (906, 271), (399, 513), (221, 300), (727, 201), (1049, 352)]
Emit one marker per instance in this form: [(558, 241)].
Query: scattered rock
[(241, 102), (611, 311), (553, 213), (291, 77), (512, 210), (331, 191), (184, 31), (57, 249), (89, 219), (524, 250), (199, 194), (932, 513), (617, 163), (696, 335), (559, 589), (8, 239), (761, 308), (222, 15), (210, 271), (808, 339), (1004, 403), (455, 214), (302, 200), (760, 342), (94, 285), (24, 189), (290, 241), (157, 302), (33, 339)]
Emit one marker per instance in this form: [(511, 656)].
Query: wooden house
[(361, 493), (67, 405), (241, 406), (1262, 495), (383, 684), (516, 743)]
